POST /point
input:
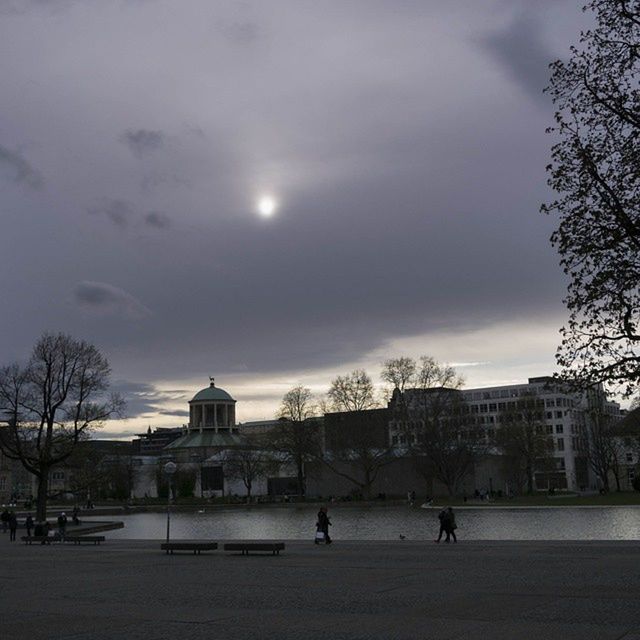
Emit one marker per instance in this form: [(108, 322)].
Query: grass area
[(614, 498)]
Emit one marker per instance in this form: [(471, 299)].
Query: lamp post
[(169, 469)]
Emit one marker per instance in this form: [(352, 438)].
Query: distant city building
[(153, 442)]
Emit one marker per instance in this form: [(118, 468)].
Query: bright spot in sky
[(266, 206)]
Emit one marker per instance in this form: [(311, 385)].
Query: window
[(558, 414), (502, 406), (493, 407), (483, 408), (549, 428), (550, 403), (559, 428), (560, 444), (58, 475), (549, 415)]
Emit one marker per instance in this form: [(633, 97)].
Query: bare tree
[(248, 463), (297, 436), (434, 416), (52, 403), (352, 392), (357, 447), (399, 372), (523, 442), (602, 445)]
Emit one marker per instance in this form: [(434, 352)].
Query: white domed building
[(208, 439)]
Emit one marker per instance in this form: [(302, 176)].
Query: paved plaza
[(404, 590)]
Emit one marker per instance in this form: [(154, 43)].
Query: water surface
[(388, 523)]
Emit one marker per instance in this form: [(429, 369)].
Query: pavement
[(401, 590)]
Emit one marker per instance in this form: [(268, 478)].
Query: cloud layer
[(403, 142)]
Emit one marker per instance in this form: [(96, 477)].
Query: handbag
[(319, 535)]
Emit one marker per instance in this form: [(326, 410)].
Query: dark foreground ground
[(492, 591)]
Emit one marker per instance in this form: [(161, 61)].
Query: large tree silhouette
[(52, 403), (595, 172)]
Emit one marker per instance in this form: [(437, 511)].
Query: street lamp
[(169, 469)]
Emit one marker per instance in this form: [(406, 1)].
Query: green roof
[(212, 393), (207, 438)]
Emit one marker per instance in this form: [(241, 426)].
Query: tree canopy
[(595, 172)]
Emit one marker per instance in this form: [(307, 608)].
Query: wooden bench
[(245, 547), (81, 539), (46, 539), (57, 538), (196, 547)]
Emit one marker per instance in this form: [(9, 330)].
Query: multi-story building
[(564, 416)]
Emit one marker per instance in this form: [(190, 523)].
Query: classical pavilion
[(212, 425)]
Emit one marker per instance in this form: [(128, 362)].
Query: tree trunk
[(41, 500), (366, 488), (301, 487), (530, 480)]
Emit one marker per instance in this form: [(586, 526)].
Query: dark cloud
[(521, 50), (118, 211), (142, 142), (105, 299), (15, 168), (157, 220), (145, 400)]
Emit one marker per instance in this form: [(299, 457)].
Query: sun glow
[(267, 206)]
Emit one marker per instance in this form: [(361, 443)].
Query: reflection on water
[(388, 523)]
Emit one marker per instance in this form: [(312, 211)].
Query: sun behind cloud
[(266, 206)]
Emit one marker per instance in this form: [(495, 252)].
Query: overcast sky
[(402, 142)]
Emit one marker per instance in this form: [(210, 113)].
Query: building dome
[(212, 393), (212, 408)]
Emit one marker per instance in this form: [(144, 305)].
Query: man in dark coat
[(62, 524), (450, 525), (13, 525), (442, 517), (28, 523)]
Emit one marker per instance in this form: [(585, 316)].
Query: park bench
[(245, 547), (57, 538), (81, 539), (196, 547), (32, 539)]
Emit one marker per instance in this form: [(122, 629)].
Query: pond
[(293, 522)]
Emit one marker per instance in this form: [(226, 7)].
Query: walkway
[(389, 590)]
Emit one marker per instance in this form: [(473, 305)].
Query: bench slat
[(196, 547), (245, 547)]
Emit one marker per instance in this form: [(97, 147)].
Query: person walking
[(323, 525), (28, 523), (450, 525), (13, 526), (442, 517), (62, 525)]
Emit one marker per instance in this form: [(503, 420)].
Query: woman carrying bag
[(322, 527)]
